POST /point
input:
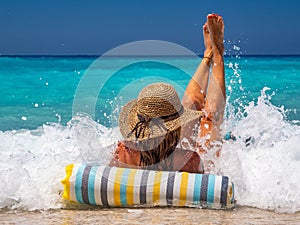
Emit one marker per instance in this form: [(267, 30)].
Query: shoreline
[(156, 215)]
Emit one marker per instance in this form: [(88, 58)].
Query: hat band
[(144, 122)]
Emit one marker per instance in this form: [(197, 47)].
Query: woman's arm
[(125, 157)]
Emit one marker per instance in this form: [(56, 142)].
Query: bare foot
[(207, 41), (215, 27)]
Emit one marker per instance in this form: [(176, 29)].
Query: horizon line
[(98, 55)]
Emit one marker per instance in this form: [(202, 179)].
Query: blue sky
[(96, 26)]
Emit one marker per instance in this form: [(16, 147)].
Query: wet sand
[(240, 215)]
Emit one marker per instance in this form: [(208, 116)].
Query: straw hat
[(156, 111)]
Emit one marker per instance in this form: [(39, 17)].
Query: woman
[(153, 123)]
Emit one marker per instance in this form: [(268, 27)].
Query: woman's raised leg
[(216, 94), (195, 93)]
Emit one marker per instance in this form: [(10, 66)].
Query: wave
[(265, 170), (264, 159), (32, 162)]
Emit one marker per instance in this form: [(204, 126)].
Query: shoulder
[(187, 161)]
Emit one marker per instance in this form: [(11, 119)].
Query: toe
[(205, 28), (212, 16)]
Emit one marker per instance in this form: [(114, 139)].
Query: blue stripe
[(211, 189), (104, 183), (85, 184), (78, 184), (224, 191), (204, 187), (91, 185), (123, 188), (143, 186), (170, 188), (197, 188)]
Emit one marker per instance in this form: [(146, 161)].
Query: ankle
[(208, 52), (218, 53), (207, 57), (218, 50)]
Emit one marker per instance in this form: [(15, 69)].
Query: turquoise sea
[(41, 130), (41, 89)]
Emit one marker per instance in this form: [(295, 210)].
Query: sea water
[(40, 133)]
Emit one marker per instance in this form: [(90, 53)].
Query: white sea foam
[(32, 162), (265, 172), (264, 160)]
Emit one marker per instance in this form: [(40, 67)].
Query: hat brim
[(128, 119)]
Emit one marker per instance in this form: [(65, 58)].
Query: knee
[(213, 114)]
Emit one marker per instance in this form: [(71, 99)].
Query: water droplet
[(236, 48)]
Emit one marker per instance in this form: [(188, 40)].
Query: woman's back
[(179, 160)]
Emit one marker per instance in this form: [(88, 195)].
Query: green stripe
[(123, 188), (211, 190), (78, 183), (91, 183), (197, 188)]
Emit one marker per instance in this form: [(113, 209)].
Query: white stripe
[(190, 189), (149, 190), (97, 185), (110, 186), (137, 185), (217, 192), (163, 188), (73, 182), (176, 189)]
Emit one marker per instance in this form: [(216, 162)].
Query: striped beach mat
[(119, 187)]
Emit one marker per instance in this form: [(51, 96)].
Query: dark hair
[(153, 151)]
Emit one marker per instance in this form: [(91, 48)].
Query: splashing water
[(264, 172), (33, 161), (263, 162)]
